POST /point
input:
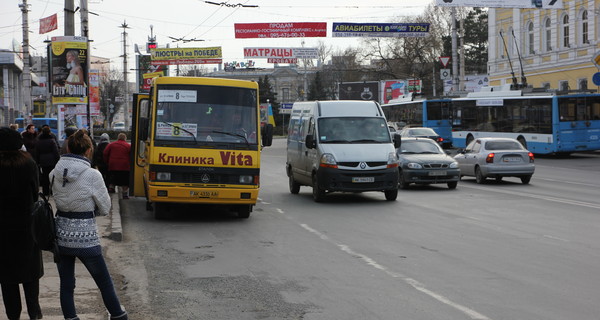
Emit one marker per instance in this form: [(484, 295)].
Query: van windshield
[(353, 130)]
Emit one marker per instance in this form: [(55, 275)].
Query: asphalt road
[(495, 251)]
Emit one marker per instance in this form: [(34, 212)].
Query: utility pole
[(84, 18), (26, 107), (126, 94), (69, 18), (462, 55), (85, 33), (454, 53)]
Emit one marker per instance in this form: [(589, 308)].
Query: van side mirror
[(397, 140), (310, 141), (267, 135), (143, 129)]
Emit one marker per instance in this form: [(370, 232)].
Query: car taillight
[(440, 139), (531, 158), (490, 158)]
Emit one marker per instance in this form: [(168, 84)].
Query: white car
[(496, 158), (119, 126)]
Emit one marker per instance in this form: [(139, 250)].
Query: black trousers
[(12, 299), (45, 179)]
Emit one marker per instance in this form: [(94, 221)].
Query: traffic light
[(151, 45)]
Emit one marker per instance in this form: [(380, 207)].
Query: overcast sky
[(196, 19)]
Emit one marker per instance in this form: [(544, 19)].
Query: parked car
[(421, 132), (119, 126), (496, 158), (422, 161)]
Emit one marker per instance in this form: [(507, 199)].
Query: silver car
[(496, 158)]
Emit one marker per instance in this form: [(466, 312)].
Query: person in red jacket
[(116, 155)]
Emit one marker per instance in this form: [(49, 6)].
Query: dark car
[(421, 132), (422, 161)]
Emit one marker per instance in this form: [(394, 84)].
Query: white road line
[(412, 282), (537, 196)]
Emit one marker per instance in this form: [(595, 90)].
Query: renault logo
[(205, 178), (363, 165)]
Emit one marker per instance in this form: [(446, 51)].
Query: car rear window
[(503, 145)]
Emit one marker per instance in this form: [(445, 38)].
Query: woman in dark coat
[(46, 156), (20, 259)]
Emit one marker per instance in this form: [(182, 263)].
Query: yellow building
[(557, 47)]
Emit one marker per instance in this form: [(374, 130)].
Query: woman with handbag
[(20, 259), (77, 189)]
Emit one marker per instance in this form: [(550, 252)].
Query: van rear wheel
[(243, 211), (318, 193), (161, 210)]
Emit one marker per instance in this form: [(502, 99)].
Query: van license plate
[(363, 179), (204, 194)]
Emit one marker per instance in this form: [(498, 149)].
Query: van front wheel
[(391, 195), (318, 193), (294, 186)]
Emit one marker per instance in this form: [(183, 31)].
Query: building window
[(563, 85), (583, 84), (565, 31), (530, 39), (584, 27), (546, 85), (285, 94), (548, 34), (510, 47)]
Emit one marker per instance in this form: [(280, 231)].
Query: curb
[(116, 233)]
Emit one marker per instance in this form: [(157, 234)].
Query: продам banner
[(281, 30)]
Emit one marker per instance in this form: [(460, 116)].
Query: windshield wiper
[(182, 129), (233, 135), (367, 140), (335, 141)]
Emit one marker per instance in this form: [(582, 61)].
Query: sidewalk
[(87, 296)]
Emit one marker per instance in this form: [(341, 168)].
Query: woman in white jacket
[(77, 190)]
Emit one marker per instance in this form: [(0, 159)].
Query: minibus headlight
[(245, 179), (163, 176), (392, 160)]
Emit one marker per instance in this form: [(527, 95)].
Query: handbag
[(43, 226)]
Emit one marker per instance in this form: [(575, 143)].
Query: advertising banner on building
[(69, 70), (281, 53), (346, 29), (146, 71), (71, 115), (175, 56), (521, 4), (368, 90), (280, 30)]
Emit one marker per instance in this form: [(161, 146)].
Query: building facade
[(11, 87), (554, 48)]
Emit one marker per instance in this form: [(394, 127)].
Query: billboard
[(175, 56), (69, 72), (146, 71), (367, 90), (520, 4), (280, 30), (345, 29)]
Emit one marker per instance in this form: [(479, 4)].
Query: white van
[(119, 125), (341, 146)]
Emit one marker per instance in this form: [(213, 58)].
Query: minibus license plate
[(204, 194), (363, 179)]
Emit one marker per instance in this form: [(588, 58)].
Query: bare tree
[(111, 93)]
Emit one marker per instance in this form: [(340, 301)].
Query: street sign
[(444, 61), (596, 78), (445, 74), (596, 59)]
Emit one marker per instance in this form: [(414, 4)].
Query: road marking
[(537, 196), (412, 282), (555, 238), (570, 182)]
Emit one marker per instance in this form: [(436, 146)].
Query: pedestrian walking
[(29, 137), (46, 156), (78, 190), (68, 132), (116, 155), (20, 259), (98, 161)]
